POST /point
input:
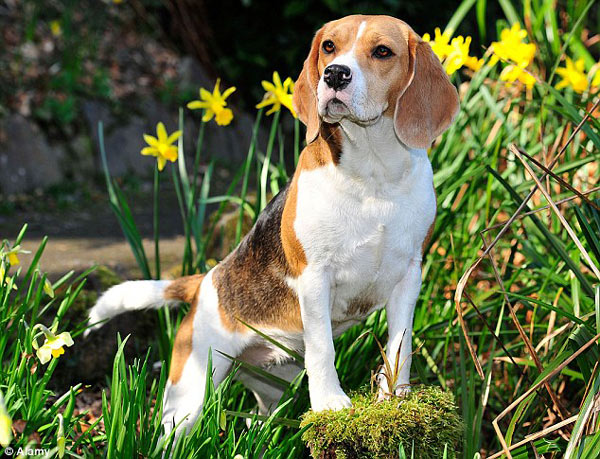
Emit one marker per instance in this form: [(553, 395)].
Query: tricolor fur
[(343, 238)]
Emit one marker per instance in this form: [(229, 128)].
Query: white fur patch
[(366, 218), (128, 296)]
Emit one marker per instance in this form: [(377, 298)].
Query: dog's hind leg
[(268, 393), (200, 333)]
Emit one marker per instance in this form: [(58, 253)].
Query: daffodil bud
[(61, 440), (48, 290)]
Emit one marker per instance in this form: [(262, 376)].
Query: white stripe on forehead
[(348, 57), (361, 29)]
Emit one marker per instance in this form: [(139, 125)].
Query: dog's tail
[(144, 294)]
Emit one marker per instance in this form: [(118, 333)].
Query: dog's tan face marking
[(362, 39), (185, 289)]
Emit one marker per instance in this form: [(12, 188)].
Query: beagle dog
[(344, 238)]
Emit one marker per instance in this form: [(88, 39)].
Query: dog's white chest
[(363, 233)]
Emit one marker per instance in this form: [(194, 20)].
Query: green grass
[(536, 291)]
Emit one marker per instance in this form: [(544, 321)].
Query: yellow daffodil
[(214, 105), (512, 73), (53, 345), (596, 72), (440, 44), (453, 54), (573, 75), (13, 257), (55, 28), (512, 48), (473, 63), (278, 94), (458, 54), (161, 146), (5, 424)]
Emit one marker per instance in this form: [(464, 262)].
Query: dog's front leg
[(314, 294), (400, 311)]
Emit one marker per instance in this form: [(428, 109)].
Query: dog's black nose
[(337, 77)]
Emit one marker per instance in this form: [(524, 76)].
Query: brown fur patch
[(184, 289), (292, 248), (427, 239), (360, 306), (251, 281)]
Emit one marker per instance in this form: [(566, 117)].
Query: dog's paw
[(335, 401), (401, 391)]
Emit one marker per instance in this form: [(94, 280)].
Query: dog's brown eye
[(381, 52), (328, 46)]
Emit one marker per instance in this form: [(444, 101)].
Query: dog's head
[(362, 68)]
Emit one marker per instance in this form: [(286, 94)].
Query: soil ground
[(88, 233)]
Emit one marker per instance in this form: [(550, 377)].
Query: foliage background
[(127, 51)]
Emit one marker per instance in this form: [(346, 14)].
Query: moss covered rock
[(423, 422)]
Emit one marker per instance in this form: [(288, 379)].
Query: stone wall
[(31, 159)]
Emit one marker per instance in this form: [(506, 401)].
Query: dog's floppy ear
[(429, 103), (305, 91)]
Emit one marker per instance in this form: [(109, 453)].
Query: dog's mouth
[(336, 110)]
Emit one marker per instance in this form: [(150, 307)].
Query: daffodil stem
[(45, 330), (199, 144), (264, 173), (247, 166), (156, 235), (192, 214)]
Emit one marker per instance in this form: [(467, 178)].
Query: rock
[(27, 161), (423, 422), (122, 140), (222, 240), (83, 165), (191, 75)]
